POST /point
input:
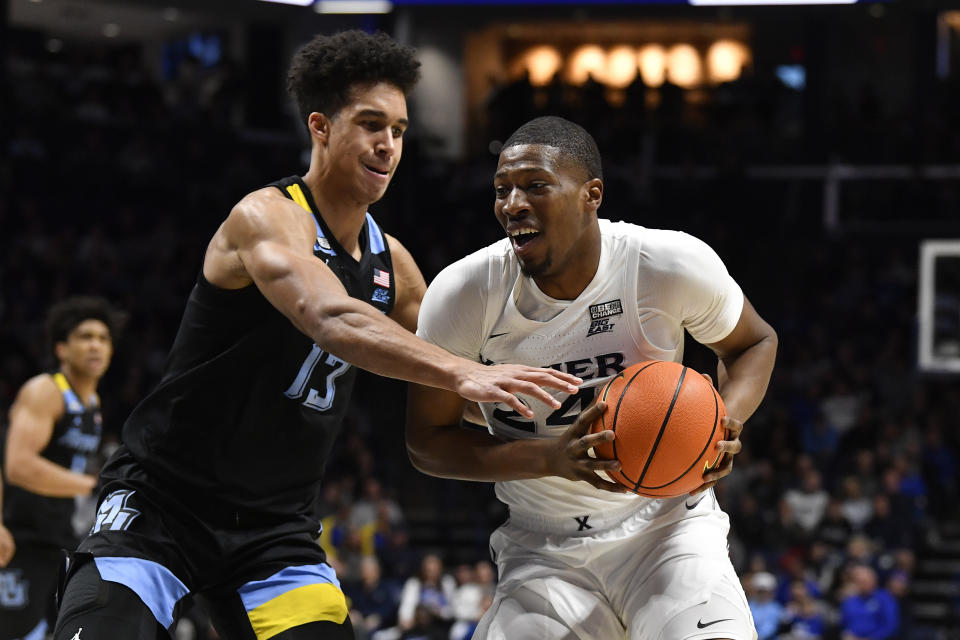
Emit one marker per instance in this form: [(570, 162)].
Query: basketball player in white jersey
[(580, 558)]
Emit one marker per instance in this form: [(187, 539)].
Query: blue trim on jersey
[(254, 594), (376, 236), (153, 583), (72, 401)]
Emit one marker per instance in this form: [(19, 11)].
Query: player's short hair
[(570, 138), (68, 314), (324, 70)]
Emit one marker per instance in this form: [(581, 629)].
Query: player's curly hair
[(324, 70), (66, 315), (570, 138)]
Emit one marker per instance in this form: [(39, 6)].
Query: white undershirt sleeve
[(452, 311), (697, 288)]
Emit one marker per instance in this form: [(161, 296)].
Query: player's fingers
[(588, 417), (555, 379), (587, 442), (530, 389), (513, 402), (604, 485), (733, 447), (707, 376), (722, 471), (733, 427)]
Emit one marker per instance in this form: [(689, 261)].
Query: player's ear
[(593, 193), (60, 350), (319, 126)]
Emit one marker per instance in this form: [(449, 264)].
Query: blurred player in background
[(55, 428), (591, 297), (213, 487)]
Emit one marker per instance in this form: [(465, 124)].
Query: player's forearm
[(38, 475), (364, 337), (466, 454), (743, 378)]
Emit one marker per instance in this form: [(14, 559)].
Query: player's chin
[(531, 267)]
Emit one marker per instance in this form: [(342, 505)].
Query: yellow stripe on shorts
[(297, 194), (309, 603)]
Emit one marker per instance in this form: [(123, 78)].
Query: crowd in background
[(113, 181)]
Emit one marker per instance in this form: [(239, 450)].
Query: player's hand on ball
[(501, 383), (570, 458), (7, 546), (729, 448)]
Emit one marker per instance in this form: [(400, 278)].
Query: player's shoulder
[(265, 210), (40, 391), (649, 238), (479, 268)]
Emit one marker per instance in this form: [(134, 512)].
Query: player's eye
[(397, 132), (501, 192)]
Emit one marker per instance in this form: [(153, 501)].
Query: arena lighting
[(769, 3), (353, 6), (587, 60), (725, 60), (621, 66), (653, 64), (542, 62), (683, 65)]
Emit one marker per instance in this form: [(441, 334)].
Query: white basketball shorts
[(618, 577)]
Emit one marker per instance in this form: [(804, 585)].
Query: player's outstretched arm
[(37, 407), (438, 446), (268, 240), (746, 358)]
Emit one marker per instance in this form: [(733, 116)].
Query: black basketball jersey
[(248, 407), (75, 439)]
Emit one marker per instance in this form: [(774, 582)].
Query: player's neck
[(83, 385), (342, 214), (569, 280)]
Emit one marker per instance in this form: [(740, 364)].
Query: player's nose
[(515, 203)]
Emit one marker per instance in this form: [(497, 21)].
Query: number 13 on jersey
[(330, 368)]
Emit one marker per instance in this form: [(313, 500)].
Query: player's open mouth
[(382, 174), (523, 236)]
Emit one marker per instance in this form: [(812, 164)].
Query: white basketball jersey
[(650, 285)]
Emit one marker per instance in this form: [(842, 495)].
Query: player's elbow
[(418, 450), (18, 469), (327, 321)]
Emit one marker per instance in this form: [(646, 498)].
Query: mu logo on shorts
[(13, 590), (114, 514)]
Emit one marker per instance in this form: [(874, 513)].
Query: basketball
[(667, 421)]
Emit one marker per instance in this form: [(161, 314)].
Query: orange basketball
[(667, 420)]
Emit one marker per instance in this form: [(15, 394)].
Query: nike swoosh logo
[(694, 505), (497, 335), (703, 625)]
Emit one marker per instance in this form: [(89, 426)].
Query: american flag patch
[(381, 278)]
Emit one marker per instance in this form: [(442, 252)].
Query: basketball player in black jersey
[(54, 430), (211, 492)]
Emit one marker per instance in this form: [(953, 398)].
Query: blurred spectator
[(809, 502), (805, 617), (431, 590), (373, 602), (767, 612), (868, 613), (857, 508), (834, 529)]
